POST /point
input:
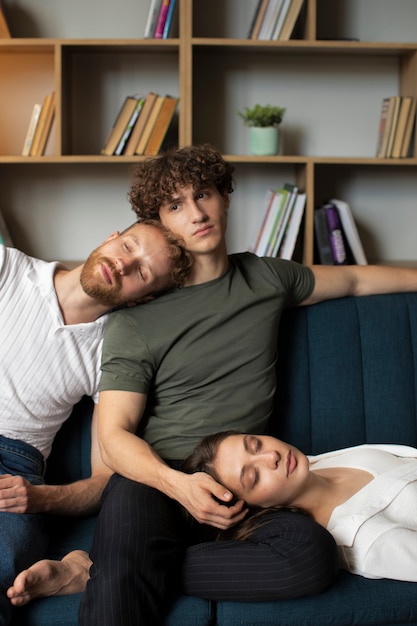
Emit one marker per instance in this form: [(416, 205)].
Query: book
[(45, 119), (270, 19), (136, 134), (392, 123), (47, 125), (321, 237), (162, 124), (172, 19), (261, 9), (152, 18), (290, 20), (269, 196), (336, 236), (4, 27), (281, 199), (254, 18), (119, 125), (351, 231), (393, 104), (150, 123), (273, 212), (160, 23), (129, 127), (281, 18), (290, 192), (408, 134), (405, 107), (30, 133), (287, 248), (382, 137)]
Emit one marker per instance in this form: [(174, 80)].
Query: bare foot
[(50, 578)]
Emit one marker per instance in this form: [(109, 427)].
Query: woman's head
[(259, 469)]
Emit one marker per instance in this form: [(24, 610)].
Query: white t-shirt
[(45, 365)]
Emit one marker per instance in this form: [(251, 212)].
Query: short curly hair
[(156, 179)]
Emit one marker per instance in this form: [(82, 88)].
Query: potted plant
[(263, 122)]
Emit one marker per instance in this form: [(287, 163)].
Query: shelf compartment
[(95, 81), (27, 74)]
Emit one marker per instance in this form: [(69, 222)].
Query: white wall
[(63, 211)]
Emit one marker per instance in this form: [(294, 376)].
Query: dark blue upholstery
[(347, 374)]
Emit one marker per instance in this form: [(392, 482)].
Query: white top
[(376, 529), (45, 366)]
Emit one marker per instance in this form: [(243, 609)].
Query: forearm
[(360, 280), (132, 457), (82, 497)]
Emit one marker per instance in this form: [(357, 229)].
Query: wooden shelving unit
[(332, 89)]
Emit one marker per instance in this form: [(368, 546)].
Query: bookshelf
[(61, 204)]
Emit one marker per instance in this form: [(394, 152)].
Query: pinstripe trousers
[(146, 551)]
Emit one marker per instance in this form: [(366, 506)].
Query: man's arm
[(119, 414), (82, 497), (359, 280)]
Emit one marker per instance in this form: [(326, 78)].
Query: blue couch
[(347, 374)]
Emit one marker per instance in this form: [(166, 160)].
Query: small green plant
[(262, 116)]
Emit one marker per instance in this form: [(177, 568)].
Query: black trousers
[(146, 551)]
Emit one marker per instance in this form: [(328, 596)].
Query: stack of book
[(281, 222), (336, 235), (39, 128), (275, 19), (162, 21), (143, 126), (396, 127)]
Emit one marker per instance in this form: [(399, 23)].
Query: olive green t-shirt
[(205, 355)]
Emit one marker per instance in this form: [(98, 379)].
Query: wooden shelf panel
[(309, 46)]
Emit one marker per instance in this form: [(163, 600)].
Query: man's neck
[(206, 268), (76, 306)]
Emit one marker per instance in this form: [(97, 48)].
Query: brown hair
[(156, 179), (202, 459)]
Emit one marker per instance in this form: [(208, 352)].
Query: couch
[(347, 374)]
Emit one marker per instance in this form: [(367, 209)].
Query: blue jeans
[(23, 538)]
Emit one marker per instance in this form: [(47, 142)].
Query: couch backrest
[(347, 373), (70, 457)]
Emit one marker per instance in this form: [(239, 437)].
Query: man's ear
[(226, 199)]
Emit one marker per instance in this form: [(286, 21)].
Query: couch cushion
[(351, 600)]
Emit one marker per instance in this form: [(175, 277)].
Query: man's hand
[(202, 496), (17, 495)]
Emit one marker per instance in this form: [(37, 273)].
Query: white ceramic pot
[(264, 141)]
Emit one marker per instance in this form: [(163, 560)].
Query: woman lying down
[(366, 496)]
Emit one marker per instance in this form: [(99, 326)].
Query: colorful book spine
[(160, 25), (170, 20), (336, 237), (129, 128)]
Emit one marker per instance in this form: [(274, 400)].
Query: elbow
[(106, 456)]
